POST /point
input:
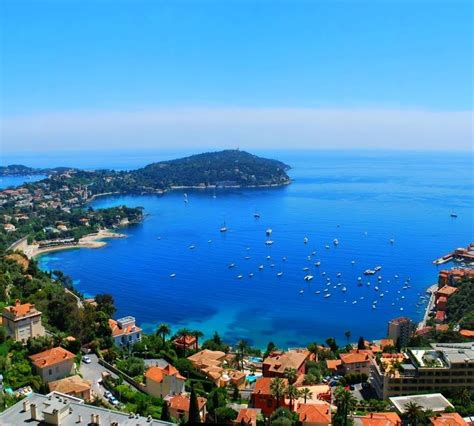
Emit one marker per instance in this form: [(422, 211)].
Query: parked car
[(107, 394), (114, 401), (86, 360)]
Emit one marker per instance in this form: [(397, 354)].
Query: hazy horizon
[(256, 75)]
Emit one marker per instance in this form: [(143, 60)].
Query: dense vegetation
[(460, 307)]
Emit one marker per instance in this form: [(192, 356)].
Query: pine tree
[(165, 413), (193, 408)]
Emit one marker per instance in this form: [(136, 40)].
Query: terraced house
[(442, 366)]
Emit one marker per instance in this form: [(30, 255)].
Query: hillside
[(224, 168)]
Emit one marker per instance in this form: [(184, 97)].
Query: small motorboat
[(279, 274), (172, 275), (377, 268), (268, 232), (327, 295), (260, 267), (305, 240), (192, 247), (301, 291), (256, 215), (231, 265), (250, 274), (454, 215), (308, 277), (318, 263), (369, 272), (335, 241), (239, 277), (305, 268), (269, 242)]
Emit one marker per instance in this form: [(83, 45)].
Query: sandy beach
[(93, 241)]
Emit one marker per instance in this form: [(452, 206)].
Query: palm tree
[(306, 394), (291, 374), (413, 412), (348, 335), (464, 396), (345, 403), (313, 349), (184, 332), (242, 348), (293, 394), (163, 330), (197, 334), (278, 389)]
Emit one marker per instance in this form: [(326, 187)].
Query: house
[(22, 321), (378, 419), (211, 363), (448, 419), (164, 381), (276, 364), (334, 365), (262, 396), (124, 331), (8, 227), (447, 291), (186, 341), (53, 364), (314, 414), (247, 416), (60, 409), (74, 386), (179, 407), (355, 362)]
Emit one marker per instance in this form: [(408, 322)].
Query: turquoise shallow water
[(362, 199)]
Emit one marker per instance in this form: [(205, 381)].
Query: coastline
[(93, 241)]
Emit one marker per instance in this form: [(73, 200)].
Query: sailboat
[(223, 228)]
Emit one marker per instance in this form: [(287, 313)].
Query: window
[(50, 371)]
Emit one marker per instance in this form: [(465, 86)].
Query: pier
[(463, 254)]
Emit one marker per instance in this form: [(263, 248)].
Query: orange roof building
[(314, 414), (161, 382), (378, 419), (53, 364), (74, 385), (247, 416), (446, 291), (179, 407), (333, 364), (186, 342), (22, 321), (466, 333), (357, 361), (262, 396), (124, 331), (276, 364), (448, 419)]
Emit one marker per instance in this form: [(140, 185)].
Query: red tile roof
[(51, 357), (20, 310), (157, 374), (181, 402), (314, 413), (467, 333), (447, 291), (379, 419), (262, 385), (332, 364), (354, 357), (248, 416), (278, 362), (448, 419)]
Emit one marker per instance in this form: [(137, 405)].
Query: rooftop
[(378, 419), (73, 384), (262, 385), (448, 419), (157, 374), (433, 401), (314, 413), (278, 362), (182, 402), (20, 310), (51, 357), (71, 410), (122, 326)]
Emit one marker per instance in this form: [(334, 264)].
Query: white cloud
[(247, 128)]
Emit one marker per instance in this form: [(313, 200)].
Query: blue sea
[(363, 199)]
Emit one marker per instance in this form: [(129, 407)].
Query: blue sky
[(82, 65)]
